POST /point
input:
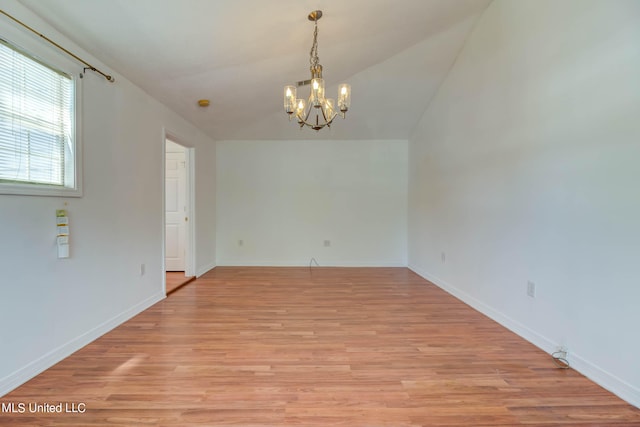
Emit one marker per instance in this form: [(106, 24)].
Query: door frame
[(190, 247)]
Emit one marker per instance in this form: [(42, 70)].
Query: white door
[(176, 211)]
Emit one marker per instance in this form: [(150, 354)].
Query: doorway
[(177, 185)]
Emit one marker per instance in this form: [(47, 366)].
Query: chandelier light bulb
[(300, 107), (344, 98), (317, 92), (289, 99)]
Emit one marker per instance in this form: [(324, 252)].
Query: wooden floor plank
[(301, 347), (175, 280)]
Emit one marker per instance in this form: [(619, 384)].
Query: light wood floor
[(321, 347), (175, 280)]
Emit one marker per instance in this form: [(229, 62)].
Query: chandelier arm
[(328, 119), (304, 121), (311, 125), (324, 116), (308, 112), (333, 116)]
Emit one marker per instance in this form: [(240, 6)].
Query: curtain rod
[(89, 66)]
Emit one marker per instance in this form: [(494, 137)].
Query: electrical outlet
[(531, 289), (327, 243), (142, 269)]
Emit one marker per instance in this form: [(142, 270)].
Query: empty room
[(319, 213)]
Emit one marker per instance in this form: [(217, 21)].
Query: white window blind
[(36, 121)]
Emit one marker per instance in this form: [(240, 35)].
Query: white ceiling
[(241, 53)]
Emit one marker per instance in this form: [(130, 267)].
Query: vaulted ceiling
[(241, 53)]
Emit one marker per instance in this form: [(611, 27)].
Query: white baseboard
[(202, 270), (601, 377), (36, 367), (297, 263), (615, 385)]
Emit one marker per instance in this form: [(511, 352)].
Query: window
[(38, 147)]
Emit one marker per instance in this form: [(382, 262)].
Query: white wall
[(50, 307), (525, 168), (285, 198)]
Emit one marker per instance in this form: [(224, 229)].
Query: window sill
[(39, 190)]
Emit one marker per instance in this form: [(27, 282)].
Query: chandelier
[(318, 111)]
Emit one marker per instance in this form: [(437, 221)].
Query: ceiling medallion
[(318, 111)]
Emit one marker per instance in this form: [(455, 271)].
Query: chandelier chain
[(313, 55)]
